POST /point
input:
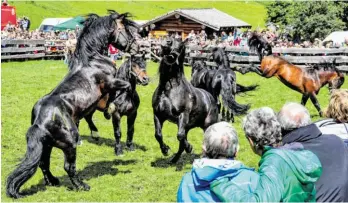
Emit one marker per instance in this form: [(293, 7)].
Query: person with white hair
[(297, 127), (286, 173), (220, 147)]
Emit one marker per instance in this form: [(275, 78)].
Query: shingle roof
[(209, 17)]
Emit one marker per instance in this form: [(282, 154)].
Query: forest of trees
[(309, 19)]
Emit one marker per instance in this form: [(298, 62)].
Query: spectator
[(177, 36), (330, 149), (230, 38), (215, 37), (224, 36), (220, 147), (25, 24), (192, 35), (203, 36), (337, 116), (286, 174)]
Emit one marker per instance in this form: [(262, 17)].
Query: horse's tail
[(228, 90), (242, 89), (259, 45), (28, 166)]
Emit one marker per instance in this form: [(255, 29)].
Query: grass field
[(251, 12), (142, 175)]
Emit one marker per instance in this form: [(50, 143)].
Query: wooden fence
[(31, 49), (238, 56), (241, 56)]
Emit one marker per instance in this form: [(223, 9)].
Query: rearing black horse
[(54, 116), (133, 70), (176, 100)]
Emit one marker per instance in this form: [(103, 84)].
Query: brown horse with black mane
[(307, 81)]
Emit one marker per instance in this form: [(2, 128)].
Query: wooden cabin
[(184, 20)]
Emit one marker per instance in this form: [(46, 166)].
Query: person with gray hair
[(220, 147), (296, 124), (286, 173)]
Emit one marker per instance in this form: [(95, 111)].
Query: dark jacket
[(332, 186)]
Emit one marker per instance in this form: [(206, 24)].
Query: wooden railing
[(238, 56), (241, 56)]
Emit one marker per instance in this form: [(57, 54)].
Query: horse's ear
[(186, 40), (334, 61)]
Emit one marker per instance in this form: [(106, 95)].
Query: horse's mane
[(92, 38)]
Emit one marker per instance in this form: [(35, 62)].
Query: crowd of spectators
[(240, 38), (11, 32)]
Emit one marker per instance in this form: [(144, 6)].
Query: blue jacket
[(195, 185)]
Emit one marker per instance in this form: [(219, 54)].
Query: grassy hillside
[(251, 12)]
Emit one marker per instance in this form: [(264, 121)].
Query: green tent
[(70, 24)]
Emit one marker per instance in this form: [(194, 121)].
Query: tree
[(311, 19), (279, 12)]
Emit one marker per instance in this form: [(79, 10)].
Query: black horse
[(176, 100), (54, 116), (221, 59), (219, 82), (132, 70)]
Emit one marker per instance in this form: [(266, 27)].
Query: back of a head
[(262, 127), (220, 141), (293, 116), (338, 106)]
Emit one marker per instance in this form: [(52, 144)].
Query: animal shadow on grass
[(92, 170), (110, 142), (184, 159)]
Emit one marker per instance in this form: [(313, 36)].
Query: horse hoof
[(130, 147), (107, 116), (175, 159), (118, 150), (95, 135), (165, 150), (53, 181), (188, 149)]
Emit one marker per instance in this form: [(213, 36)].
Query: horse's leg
[(116, 118), (130, 131), (70, 168), (110, 107), (316, 103), (183, 120), (45, 166), (223, 113), (304, 99), (92, 127), (158, 134)]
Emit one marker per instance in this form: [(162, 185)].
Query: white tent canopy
[(337, 37)]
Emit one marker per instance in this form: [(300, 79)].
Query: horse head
[(259, 45), (173, 50), (337, 79), (197, 66), (123, 36), (137, 69)]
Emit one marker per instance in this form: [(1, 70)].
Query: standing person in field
[(297, 127), (220, 148), (286, 173)]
